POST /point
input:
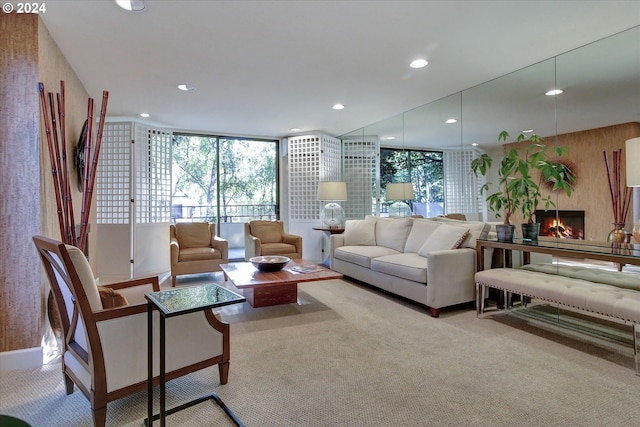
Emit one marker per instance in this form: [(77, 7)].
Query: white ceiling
[(263, 67)]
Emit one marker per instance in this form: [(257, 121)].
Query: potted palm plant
[(521, 174)]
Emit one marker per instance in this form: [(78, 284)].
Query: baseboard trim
[(27, 358)]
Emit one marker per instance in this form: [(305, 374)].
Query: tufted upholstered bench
[(606, 293)]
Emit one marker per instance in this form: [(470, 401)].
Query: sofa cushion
[(477, 230), (392, 233), (362, 255), (408, 266), (359, 232), (193, 234), (198, 254), (267, 231), (444, 237), (277, 249), (420, 231)]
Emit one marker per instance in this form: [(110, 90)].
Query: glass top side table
[(176, 302)]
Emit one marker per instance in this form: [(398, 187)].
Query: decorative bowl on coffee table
[(269, 263)]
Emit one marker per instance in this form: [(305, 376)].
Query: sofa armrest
[(450, 277), (221, 245), (294, 240), (335, 241)]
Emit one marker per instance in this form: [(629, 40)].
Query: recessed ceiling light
[(294, 129), (185, 88), (475, 144), (338, 107), (418, 63), (553, 92), (145, 115), (527, 131), (132, 5), (449, 121), (391, 137)]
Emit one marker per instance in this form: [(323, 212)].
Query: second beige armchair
[(269, 238), (195, 248)]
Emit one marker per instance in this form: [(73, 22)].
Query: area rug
[(348, 355)]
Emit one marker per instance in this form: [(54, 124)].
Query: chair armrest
[(118, 312), (134, 290), (152, 280), (175, 250), (252, 246), (294, 240), (221, 245)]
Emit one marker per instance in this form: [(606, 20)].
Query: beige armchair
[(195, 248), (268, 238), (105, 349)]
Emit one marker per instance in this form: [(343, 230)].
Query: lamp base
[(399, 209), (636, 231), (332, 215)]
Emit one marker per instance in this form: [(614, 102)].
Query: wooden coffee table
[(263, 289)]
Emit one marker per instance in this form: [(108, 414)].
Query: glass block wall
[(312, 158), (153, 175), (458, 179), (113, 177), (360, 161)]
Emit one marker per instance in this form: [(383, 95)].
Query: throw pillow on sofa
[(477, 230), (420, 232), (444, 237), (359, 232), (392, 233)]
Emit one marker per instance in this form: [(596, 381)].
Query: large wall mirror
[(597, 112)]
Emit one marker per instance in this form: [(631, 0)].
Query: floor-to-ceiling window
[(423, 169), (224, 180)]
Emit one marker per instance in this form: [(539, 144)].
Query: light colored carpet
[(347, 355)]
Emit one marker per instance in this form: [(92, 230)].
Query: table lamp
[(332, 214), (633, 176), (400, 192)]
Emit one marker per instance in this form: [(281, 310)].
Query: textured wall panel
[(20, 300), (592, 189)]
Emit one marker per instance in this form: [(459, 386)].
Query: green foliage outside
[(423, 168), (246, 173)]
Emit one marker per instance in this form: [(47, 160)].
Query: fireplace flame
[(558, 229)]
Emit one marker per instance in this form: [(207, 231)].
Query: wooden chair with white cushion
[(195, 248), (262, 238), (105, 349)]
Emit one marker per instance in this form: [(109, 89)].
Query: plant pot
[(530, 232), (505, 232)]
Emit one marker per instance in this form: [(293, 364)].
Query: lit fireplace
[(566, 225)]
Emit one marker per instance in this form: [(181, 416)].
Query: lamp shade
[(332, 190), (633, 162), (399, 191)]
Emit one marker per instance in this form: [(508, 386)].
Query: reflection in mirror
[(597, 112), (359, 154), (515, 103), (437, 127)]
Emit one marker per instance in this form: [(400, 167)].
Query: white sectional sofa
[(430, 261)]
